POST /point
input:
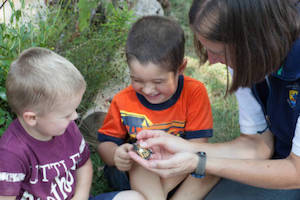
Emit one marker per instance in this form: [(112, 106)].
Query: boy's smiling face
[(153, 82)]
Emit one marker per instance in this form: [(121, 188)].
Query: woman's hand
[(166, 141), (170, 154), (178, 164)]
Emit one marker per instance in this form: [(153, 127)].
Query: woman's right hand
[(169, 142)]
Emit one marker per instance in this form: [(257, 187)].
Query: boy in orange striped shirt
[(160, 97)]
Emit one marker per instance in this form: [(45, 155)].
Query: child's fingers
[(124, 155), (123, 150), (128, 147), (125, 161), (124, 166), (122, 161)]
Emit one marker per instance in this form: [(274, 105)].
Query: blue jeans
[(231, 190), (117, 179)]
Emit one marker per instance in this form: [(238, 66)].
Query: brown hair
[(258, 34), (38, 78), (158, 40)]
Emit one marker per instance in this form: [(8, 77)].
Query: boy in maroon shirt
[(43, 154)]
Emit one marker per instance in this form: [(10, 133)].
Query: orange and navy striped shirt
[(187, 113)]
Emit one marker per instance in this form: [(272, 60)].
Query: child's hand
[(121, 157)]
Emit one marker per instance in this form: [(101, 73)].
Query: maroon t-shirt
[(43, 170)]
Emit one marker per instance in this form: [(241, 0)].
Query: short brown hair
[(38, 78), (158, 40)]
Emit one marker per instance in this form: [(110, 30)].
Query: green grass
[(225, 112), (99, 184)]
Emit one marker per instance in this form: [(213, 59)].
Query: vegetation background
[(95, 43)]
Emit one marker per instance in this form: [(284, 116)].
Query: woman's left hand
[(169, 166)]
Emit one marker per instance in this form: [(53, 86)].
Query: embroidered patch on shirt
[(292, 100)]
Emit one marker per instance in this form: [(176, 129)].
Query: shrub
[(92, 50), (95, 50)]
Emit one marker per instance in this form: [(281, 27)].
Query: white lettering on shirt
[(11, 177), (62, 184)]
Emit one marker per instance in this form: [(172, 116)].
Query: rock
[(147, 7), (89, 126), (142, 7)]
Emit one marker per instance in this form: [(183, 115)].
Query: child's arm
[(12, 172), (7, 198), (106, 150), (114, 155), (84, 180)]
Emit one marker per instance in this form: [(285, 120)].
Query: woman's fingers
[(178, 164), (138, 159), (146, 134)]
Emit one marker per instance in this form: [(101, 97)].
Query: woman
[(259, 40)]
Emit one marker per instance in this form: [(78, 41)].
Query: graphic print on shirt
[(293, 95), (60, 175), (135, 122)]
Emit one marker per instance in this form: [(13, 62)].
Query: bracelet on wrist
[(200, 170)]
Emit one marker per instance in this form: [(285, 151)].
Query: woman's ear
[(29, 118), (182, 66)]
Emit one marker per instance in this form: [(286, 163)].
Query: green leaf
[(2, 131), (18, 14), (3, 93), (2, 120), (85, 9), (12, 5)]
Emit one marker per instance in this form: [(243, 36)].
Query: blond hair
[(38, 78)]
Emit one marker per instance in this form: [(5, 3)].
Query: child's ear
[(29, 118), (182, 66)]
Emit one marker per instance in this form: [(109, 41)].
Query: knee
[(129, 194)]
